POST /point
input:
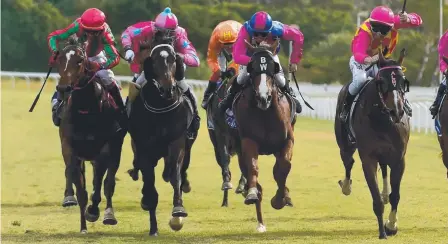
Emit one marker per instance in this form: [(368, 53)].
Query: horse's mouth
[(395, 116), (264, 103)]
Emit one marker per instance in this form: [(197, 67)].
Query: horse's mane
[(72, 40)]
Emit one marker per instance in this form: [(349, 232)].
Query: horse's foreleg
[(150, 197), (185, 185), (386, 188), (369, 166), (223, 159), (134, 171), (347, 159), (250, 158), (69, 193), (99, 169), (281, 170), (396, 174), (110, 182), (77, 170), (444, 146)]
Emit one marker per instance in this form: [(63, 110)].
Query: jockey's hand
[(53, 58), (292, 68), (129, 56), (404, 17), (93, 66), (229, 73), (371, 60)]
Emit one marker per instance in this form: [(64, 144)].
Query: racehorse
[(265, 119), (381, 130), (158, 125), (218, 131), (88, 132), (441, 120)]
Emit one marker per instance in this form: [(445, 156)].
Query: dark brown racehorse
[(88, 132), (158, 123), (442, 122), (218, 131), (265, 119), (381, 129)]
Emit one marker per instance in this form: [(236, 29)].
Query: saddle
[(437, 124)]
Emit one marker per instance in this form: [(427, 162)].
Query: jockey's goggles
[(380, 28), (261, 34), (165, 32), (93, 32)]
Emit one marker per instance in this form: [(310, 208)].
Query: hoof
[(186, 187), (278, 204), (134, 174), (383, 236), (83, 231), (288, 202), (252, 196), (109, 217), (226, 186), (390, 230), (346, 186), (179, 212), (176, 223), (92, 215), (69, 201), (261, 228), (154, 233)]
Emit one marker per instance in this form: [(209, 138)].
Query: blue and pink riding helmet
[(260, 22)]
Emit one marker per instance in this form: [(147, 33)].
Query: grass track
[(33, 183)]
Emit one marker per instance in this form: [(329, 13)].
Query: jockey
[(223, 37), (380, 30), (443, 52), (166, 25), (102, 54), (261, 28)]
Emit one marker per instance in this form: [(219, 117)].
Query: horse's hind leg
[(396, 174), (386, 188), (347, 159), (281, 170), (186, 186), (250, 159), (99, 169), (150, 198), (223, 159), (369, 166)]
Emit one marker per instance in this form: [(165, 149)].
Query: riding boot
[(196, 119), (114, 91), (346, 109), (228, 99), (435, 106), (287, 89), (55, 104), (211, 87)]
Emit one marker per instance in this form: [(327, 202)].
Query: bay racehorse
[(89, 131), (265, 119), (218, 130), (159, 121), (441, 121), (380, 127)]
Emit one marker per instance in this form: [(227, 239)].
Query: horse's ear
[(381, 57), (276, 68), (249, 46), (249, 67), (402, 55), (274, 45)]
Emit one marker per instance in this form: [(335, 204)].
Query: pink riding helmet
[(166, 20), (382, 14)]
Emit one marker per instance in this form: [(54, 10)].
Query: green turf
[(33, 184)]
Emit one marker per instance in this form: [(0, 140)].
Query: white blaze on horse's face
[(263, 88), (68, 56)]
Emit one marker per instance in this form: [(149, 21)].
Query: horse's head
[(262, 69), (391, 85), (160, 67)]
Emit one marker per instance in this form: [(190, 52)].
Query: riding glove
[(129, 55), (292, 68)]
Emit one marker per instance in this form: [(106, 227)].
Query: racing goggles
[(93, 32), (380, 28), (261, 34)]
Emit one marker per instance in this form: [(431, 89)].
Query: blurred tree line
[(328, 27)]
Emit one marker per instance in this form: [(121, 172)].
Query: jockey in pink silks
[(165, 25), (261, 28), (380, 30), (443, 52)]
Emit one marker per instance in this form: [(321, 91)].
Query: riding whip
[(43, 85), (306, 103)]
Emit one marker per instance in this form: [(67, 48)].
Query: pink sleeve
[(184, 46), (443, 51), (416, 20), (360, 45), (239, 48), (139, 30), (294, 35)]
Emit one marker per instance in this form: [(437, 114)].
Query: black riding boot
[(55, 108), (195, 124), (347, 104), (228, 99), (435, 106), (114, 91), (287, 89), (211, 87)]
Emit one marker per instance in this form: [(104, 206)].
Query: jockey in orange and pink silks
[(165, 25), (261, 28), (443, 52), (380, 30)]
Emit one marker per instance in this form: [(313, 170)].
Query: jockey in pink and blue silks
[(261, 28), (379, 30), (443, 52), (165, 25)]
